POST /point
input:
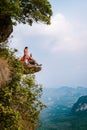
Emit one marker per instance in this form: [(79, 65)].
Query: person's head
[(26, 47)]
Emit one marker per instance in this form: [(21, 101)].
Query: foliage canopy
[(26, 11), (22, 11)]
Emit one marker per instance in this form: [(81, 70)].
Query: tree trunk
[(6, 28)]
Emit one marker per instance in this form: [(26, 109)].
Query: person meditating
[(28, 58)]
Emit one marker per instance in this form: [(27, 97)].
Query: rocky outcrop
[(30, 69)]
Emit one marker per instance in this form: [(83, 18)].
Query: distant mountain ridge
[(66, 96)]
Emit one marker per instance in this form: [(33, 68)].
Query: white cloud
[(61, 35), (66, 36)]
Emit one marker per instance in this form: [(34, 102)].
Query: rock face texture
[(4, 72)]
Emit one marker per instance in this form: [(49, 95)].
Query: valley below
[(58, 114)]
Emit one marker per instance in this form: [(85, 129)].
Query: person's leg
[(32, 62)]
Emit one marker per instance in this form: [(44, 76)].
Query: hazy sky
[(61, 47)]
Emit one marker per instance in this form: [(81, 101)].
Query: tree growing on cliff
[(22, 11)]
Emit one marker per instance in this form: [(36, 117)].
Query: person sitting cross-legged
[(28, 58)]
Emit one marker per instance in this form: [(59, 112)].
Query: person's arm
[(22, 60)]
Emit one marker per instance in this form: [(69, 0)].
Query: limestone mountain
[(80, 107)]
